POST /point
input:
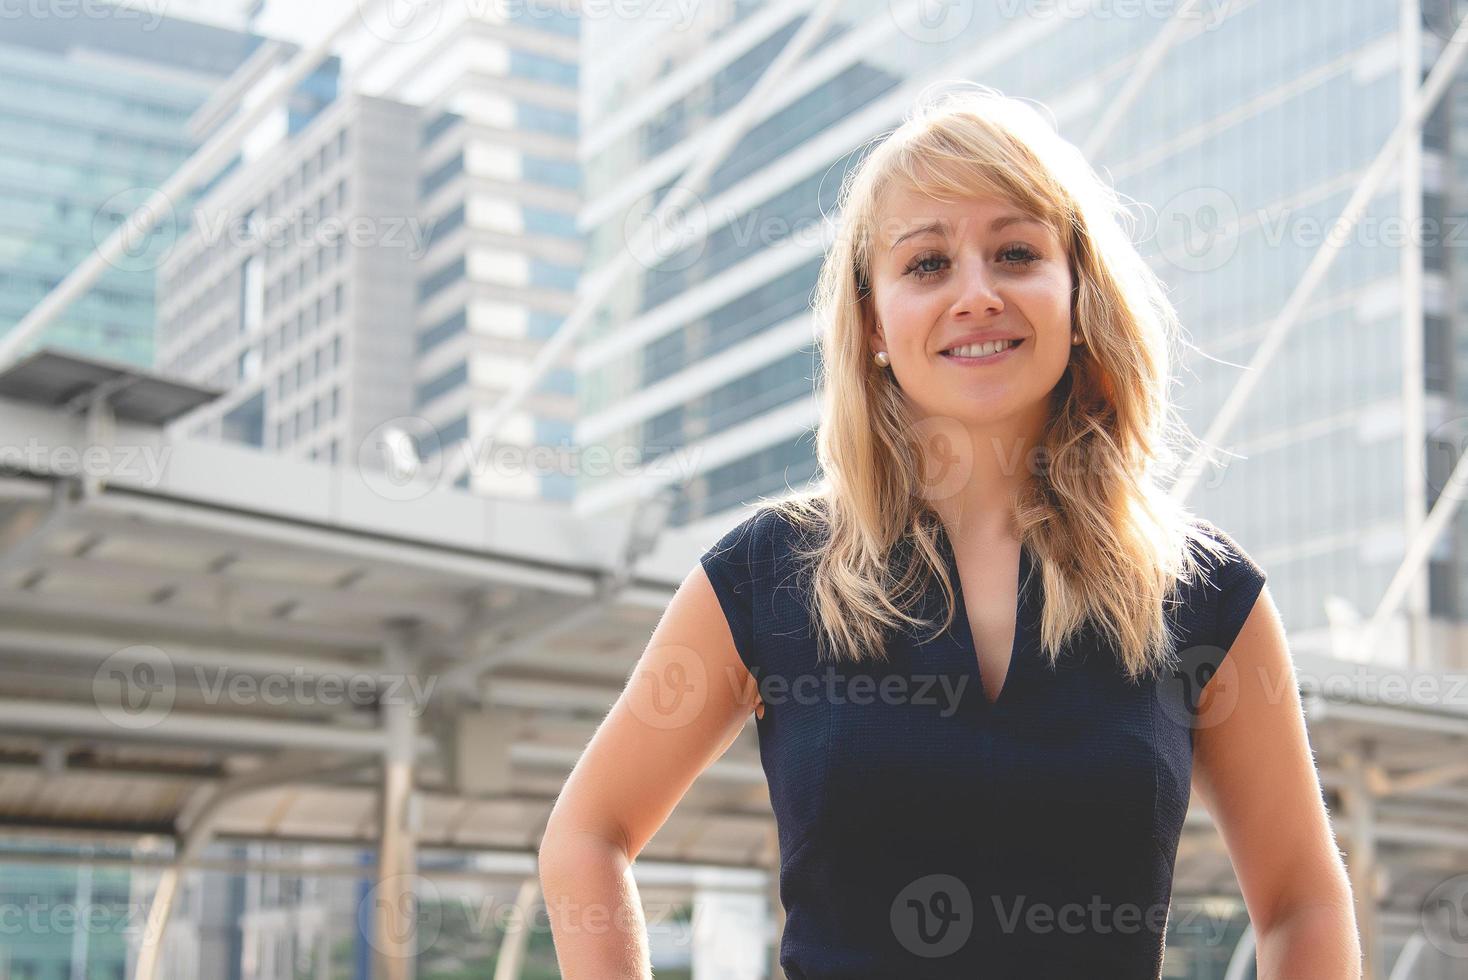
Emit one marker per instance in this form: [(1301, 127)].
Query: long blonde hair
[(1108, 541)]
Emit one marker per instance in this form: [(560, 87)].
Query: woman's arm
[(1254, 770), (686, 701)]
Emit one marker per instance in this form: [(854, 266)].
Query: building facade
[(94, 115), (294, 288), (500, 187)]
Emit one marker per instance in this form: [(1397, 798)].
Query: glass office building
[(94, 115), (1260, 121)]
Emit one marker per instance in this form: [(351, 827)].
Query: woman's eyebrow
[(942, 227)]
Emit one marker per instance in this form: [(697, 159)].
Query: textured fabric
[(926, 833)]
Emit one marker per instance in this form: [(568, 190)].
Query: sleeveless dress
[(927, 834)]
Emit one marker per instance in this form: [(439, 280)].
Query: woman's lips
[(984, 361)]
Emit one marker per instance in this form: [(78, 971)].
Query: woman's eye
[(917, 269), (928, 266), (1025, 253)]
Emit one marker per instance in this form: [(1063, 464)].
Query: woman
[(989, 657)]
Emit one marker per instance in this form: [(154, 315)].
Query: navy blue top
[(926, 833)]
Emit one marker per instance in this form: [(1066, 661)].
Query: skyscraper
[(94, 115)]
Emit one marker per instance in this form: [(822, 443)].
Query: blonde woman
[(990, 656)]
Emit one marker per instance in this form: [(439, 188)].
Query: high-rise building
[(94, 116), (237, 15), (56, 916), (710, 352), (500, 189), (294, 290), (492, 250)]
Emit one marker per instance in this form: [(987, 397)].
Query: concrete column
[(1362, 865), (395, 939)]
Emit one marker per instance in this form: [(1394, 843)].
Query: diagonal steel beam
[(204, 164), (1428, 96), (714, 148)]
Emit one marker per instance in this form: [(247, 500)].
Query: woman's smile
[(967, 356)]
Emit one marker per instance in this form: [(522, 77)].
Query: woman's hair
[(1109, 542)]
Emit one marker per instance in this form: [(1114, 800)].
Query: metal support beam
[(1407, 958), (1137, 79), (197, 169), (1241, 963), (1427, 98), (511, 958), (653, 241), (395, 939), (196, 835), (1361, 812)]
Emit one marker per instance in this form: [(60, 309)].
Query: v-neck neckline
[(967, 646)]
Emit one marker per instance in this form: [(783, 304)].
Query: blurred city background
[(372, 371)]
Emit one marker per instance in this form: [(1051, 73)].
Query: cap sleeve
[(1238, 580), (730, 564), (1217, 604)]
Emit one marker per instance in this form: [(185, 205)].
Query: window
[(442, 175), (434, 387), (252, 295), (441, 279)]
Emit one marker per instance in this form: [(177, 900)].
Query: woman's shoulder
[(1229, 581)]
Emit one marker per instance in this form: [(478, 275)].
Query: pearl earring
[(881, 358)]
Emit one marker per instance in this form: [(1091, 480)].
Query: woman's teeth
[(982, 350)]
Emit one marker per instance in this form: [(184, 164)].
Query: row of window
[(274, 202), (308, 367), (291, 280), (304, 421)]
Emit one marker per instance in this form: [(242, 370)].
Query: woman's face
[(944, 271)]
